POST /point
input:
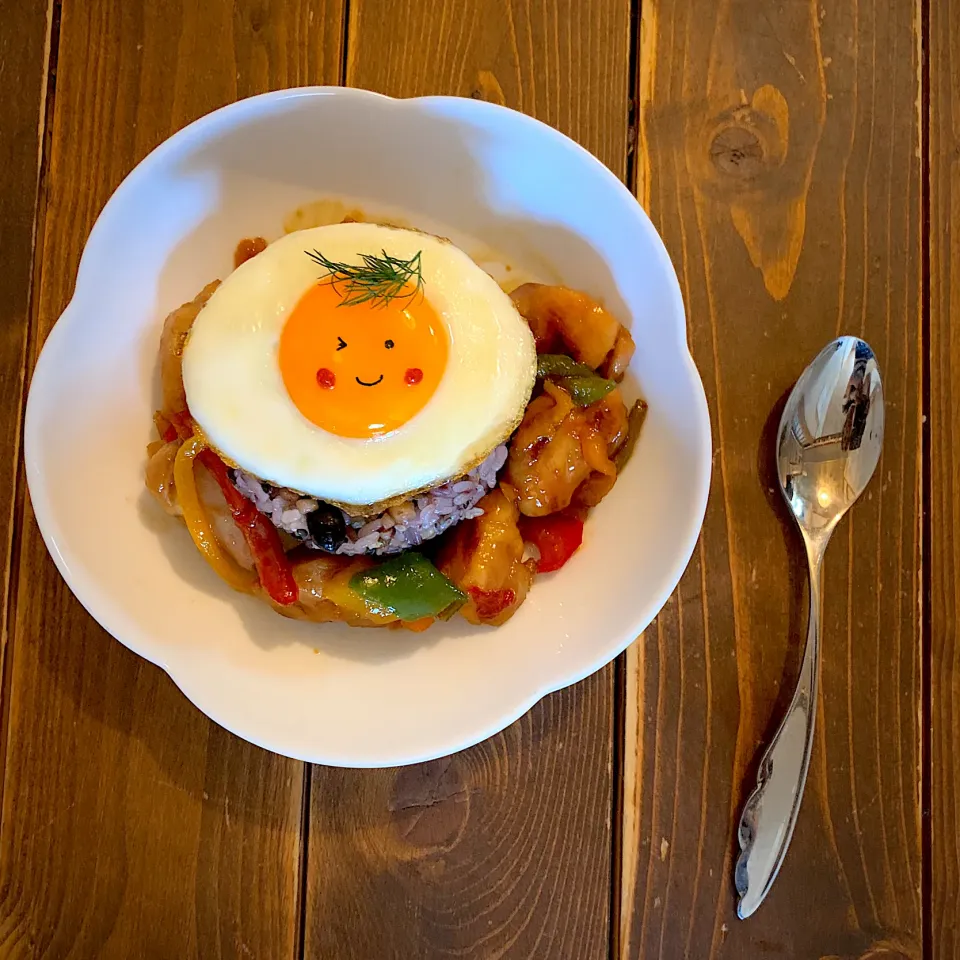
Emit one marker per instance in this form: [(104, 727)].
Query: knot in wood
[(430, 804), (737, 152), (488, 88), (258, 17)]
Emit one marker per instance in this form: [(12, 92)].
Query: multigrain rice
[(402, 526)]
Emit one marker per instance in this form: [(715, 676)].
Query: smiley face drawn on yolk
[(347, 368)]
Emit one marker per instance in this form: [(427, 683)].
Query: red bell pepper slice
[(273, 567), (556, 536)]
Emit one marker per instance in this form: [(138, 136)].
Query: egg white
[(235, 389)]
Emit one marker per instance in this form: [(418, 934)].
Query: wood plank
[(502, 850), (133, 826), (944, 417), (23, 73), (566, 62), (779, 157)]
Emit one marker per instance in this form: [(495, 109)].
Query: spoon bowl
[(831, 435)]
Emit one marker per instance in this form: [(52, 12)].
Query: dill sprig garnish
[(380, 279)]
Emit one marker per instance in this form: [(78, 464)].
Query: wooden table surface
[(801, 160)]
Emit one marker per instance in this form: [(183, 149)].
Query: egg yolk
[(361, 370)]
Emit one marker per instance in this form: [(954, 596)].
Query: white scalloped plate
[(493, 180)]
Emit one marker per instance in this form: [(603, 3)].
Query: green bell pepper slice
[(583, 384), (586, 390), (560, 365), (409, 585)]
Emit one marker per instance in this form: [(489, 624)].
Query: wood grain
[(503, 850), (565, 62), (23, 75), (779, 157), (133, 826), (944, 416), (500, 851)]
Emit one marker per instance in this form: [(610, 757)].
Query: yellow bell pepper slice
[(199, 526), (339, 592)]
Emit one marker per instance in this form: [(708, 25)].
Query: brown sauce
[(247, 249)]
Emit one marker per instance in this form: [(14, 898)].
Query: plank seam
[(617, 947), (633, 99), (45, 136), (304, 863), (926, 495), (616, 832), (344, 41)]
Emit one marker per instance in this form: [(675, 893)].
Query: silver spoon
[(828, 446)]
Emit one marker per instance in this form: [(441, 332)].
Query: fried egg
[(310, 383)]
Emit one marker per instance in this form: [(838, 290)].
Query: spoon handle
[(770, 814)]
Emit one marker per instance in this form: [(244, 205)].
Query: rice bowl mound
[(404, 525)]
